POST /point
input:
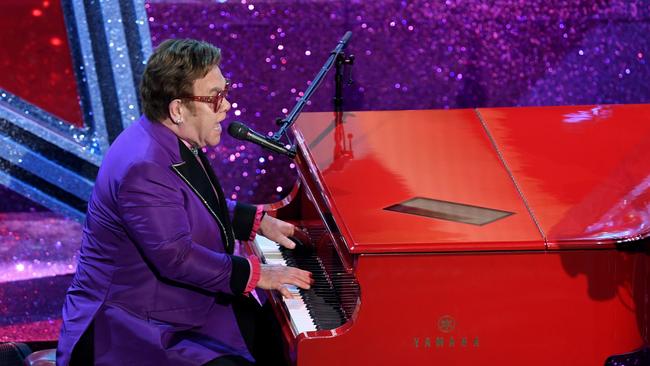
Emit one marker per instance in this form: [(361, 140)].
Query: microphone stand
[(341, 61), (336, 57)]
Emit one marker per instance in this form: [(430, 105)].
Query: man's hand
[(278, 231), (276, 277)]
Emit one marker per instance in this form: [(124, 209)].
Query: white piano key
[(265, 244), (270, 250), (298, 312), (300, 317)]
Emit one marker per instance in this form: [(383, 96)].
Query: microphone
[(242, 132)]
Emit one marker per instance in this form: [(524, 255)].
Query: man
[(158, 281)]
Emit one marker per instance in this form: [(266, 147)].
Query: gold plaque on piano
[(451, 211)]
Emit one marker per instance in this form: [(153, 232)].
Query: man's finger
[(285, 292), (293, 271), (287, 243), (302, 281), (299, 282), (301, 236), (302, 277), (293, 278)]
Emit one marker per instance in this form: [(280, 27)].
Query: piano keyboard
[(329, 302)]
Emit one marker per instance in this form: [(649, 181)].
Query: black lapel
[(223, 206), (193, 175)]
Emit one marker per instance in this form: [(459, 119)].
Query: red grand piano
[(505, 236)]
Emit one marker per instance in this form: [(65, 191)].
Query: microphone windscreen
[(238, 130)]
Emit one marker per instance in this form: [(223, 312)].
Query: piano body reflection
[(509, 236)]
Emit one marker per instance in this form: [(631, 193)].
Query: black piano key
[(333, 296)]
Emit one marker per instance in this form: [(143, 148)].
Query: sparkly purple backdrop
[(409, 55)]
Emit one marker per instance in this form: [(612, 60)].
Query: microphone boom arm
[(291, 118)]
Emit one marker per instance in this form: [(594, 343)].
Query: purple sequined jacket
[(154, 258)]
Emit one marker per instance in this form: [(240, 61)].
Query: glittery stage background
[(409, 55)]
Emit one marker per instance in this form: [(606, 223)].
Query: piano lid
[(584, 170), (416, 181)]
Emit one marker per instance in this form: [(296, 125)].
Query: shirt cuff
[(259, 214), (254, 276), (240, 274)]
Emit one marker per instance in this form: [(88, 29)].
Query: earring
[(178, 121)]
